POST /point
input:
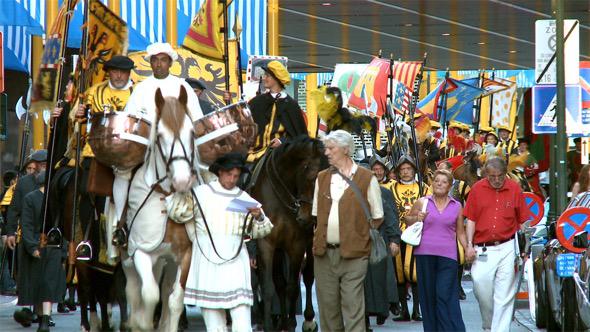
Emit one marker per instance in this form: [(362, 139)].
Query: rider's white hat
[(157, 48)]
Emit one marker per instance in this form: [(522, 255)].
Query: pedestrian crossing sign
[(544, 115)]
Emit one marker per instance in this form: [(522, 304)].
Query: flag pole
[(226, 47), (443, 105), (415, 95), (481, 78), (390, 117), (81, 89), (54, 128), (491, 99), (238, 31), (26, 130)]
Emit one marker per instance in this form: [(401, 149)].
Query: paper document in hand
[(242, 205)]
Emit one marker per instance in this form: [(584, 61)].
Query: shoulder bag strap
[(359, 196)]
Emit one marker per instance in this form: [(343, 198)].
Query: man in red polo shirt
[(495, 210)]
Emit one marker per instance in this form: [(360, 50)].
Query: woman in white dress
[(219, 277)]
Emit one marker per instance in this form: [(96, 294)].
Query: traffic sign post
[(1, 63), (536, 208), (546, 46), (570, 223), (545, 110)]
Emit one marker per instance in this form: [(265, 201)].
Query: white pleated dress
[(214, 282)]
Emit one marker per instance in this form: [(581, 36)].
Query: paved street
[(70, 322)]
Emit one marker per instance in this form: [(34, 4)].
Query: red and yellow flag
[(204, 36)]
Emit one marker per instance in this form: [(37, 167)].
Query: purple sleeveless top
[(439, 234)]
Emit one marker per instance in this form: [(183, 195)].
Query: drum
[(229, 129), (119, 139)]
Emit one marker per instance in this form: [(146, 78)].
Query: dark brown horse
[(285, 188), (98, 283)]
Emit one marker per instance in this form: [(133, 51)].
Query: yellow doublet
[(101, 97), (405, 195)]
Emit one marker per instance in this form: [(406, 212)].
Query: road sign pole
[(561, 138)]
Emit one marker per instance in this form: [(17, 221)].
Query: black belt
[(332, 245), (493, 243)]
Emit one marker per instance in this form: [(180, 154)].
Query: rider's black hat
[(229, 161), (119, 62), (195, 83)]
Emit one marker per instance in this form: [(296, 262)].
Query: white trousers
[(494, 285), (215, 319)]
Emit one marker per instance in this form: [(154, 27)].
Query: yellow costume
[(405, 195)]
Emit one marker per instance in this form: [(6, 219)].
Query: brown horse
[(285, 188), (471, 171), (159, 252), (98, 283)]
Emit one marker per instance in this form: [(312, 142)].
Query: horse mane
[(295, 143), (172, 114)]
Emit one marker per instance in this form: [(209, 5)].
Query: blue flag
[(459, 103)]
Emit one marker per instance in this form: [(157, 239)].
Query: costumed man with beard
[(406, 191), (277, 114), (110, 95), (161, 56)]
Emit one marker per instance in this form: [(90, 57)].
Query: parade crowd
[(466, 224)]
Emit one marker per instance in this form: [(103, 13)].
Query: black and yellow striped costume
[(509, 146), (405, 195), (277, 117)]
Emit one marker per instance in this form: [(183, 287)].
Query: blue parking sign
[(545, 106)]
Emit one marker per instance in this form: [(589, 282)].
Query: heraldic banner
[(45, 87), (107, 36), (209, 71), (203, 36)]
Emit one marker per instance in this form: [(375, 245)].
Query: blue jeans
[(439, 293)]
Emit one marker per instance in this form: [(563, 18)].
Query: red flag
[(406, 71)]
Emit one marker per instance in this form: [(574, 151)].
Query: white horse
[(159, 249)]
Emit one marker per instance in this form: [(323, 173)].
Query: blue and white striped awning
[(147, 24)]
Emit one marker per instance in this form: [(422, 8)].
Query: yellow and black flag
[(107, 36)]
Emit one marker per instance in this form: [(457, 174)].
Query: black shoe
[(119, 237), (24, 317), (36, 319), (416, 317), (381, 319), (394, 309), (404, 316), (62, 308), (51, 322), (462, 295), (44, 324), (71, 304), (84, 251)]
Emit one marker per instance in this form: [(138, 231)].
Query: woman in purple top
[(436, 256)]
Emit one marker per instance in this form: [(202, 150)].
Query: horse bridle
[(185, 157), (292, 202)]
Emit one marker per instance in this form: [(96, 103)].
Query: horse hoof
[(310, 326)]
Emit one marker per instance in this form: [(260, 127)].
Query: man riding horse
[(277, 114), (161, 56)]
